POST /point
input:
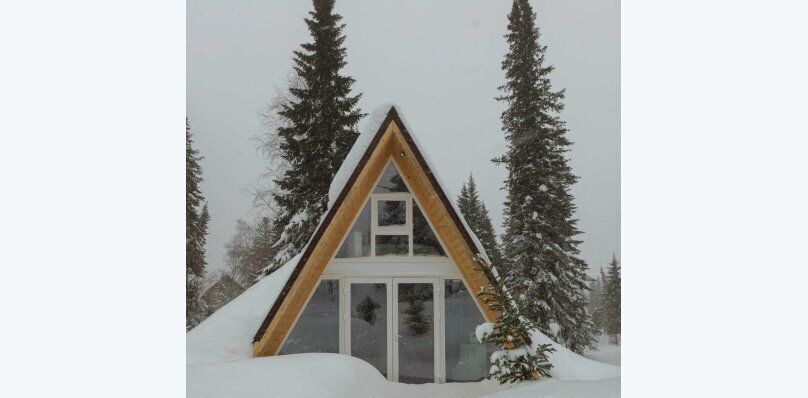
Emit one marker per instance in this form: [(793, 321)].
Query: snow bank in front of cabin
[(300, 375), (607, 388), (228, 333), (568, 365)]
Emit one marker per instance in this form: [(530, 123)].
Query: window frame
[(407, 229)]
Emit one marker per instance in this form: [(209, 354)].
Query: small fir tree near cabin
[(319, 130), (612, 301), (476, 215), (196, 230), (542, 251), (519, 358)]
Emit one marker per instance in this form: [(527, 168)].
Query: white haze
[(441, 61)]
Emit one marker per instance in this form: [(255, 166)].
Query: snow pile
[(301, 375), (228, 333), (608, 388), (338, 376), (568, 365)]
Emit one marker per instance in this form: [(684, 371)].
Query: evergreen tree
[(542, 251), (476, 215), (612, 301), (261, 250), (417, 321), (598, 304), (196, 230), (366, 309), (319, 128), (595, 297), (519, 358)]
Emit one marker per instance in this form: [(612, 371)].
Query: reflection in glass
[(392, 212), (466, 358), (357, 243), (317, 329), (416, 336), (391, 181), (369, 324), (424, 241), (396, 245)]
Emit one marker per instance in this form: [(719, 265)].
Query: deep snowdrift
[(228, 333), (568, 365), (338, 376)]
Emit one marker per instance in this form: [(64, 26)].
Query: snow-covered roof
[(227, 334)]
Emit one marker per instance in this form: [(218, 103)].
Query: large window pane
[(394, 245), (392, 212), (416, 334), (369, 324), (466, 358), (357, 243), (424, 241), (317, 329), (391, 181)]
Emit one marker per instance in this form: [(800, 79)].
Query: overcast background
[(440, 60)]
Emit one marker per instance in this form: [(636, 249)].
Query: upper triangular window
[(391, 181)]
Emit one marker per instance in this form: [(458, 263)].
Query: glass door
[(367, 322), (415, 338)]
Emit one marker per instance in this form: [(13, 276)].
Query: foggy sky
[(440, 60)]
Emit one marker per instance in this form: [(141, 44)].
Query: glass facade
[(357, 243), (317, 329), (369, 324), (424, 241), (466, 358)]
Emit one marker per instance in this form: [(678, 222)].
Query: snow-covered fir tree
[(196, 230), (540, 232), (476, 215), (595, 294), (612, 301), (320, 119), (519, 358), (597, 301)]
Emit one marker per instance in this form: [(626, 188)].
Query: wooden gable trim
[(391, 139)]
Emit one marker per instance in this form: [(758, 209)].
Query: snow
[(367, 130), (338, 376), (552, 388), (228, 333), (568, 365), (483, 331)]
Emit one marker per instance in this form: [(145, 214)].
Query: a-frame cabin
[(389, 276)]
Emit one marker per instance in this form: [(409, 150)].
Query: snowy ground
[(334, 375)]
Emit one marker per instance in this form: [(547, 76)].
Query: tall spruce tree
[(196, 230), (476, 215), (612, 301), (542, 251), (320, 117)]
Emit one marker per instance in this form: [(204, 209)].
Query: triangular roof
[(391, 139)]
